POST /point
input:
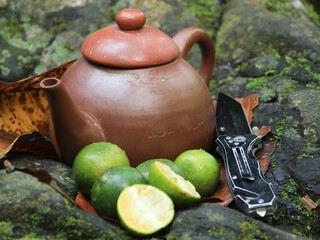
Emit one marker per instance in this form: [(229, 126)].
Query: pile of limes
[(143, 198)]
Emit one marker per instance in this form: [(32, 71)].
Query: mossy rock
[(31, 209), (43, 35), (212, 221), (61, 173), (250, 30)]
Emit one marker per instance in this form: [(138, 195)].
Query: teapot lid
[(130, 43)]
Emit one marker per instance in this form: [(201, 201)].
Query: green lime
[(201, 169), (108, 186), (145, 167), (94, 159), (182, 192), (144, 210)]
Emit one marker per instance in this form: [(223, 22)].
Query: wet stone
[(269, 48), (212, 221), (31, 209), (307, 102), (61, 173)]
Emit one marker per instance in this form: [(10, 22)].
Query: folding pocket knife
[(237, 145)]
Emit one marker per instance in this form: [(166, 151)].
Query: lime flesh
[(144, 167), (144, 210), (182, 192)]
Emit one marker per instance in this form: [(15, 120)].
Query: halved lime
[(182, 192), (144, 210), (201, 169), (144, 167)]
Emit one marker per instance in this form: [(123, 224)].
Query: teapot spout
[(72, 128)]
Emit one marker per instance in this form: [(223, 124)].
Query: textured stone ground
[(267, 47)]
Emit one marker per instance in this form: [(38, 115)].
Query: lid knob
[(130, 19), (130, 43)]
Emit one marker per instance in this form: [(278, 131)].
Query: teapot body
[(154, 112), (133, 87)]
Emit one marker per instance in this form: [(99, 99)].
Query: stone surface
[(33, 210), (271, 48), (61, 173), (268, 57), (211, 221), (37, 36), (249, 29)]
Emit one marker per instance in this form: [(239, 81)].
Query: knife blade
[(237, 144)]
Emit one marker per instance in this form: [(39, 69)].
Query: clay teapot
[(134, 88)]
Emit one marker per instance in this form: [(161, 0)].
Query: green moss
[(305, 155), (280, 127), (10, 27), (5, 53), (76, 227), (29, 223), (312, 13), (251, 230), (290, 194), (274, 164), (270, 72), (282, 7), (206, 13), (308, 151), (221, 232), (278, 215), (6, 229), (297, 232), (214, 84), (13, 32), (4, 71), (290, 88), (59, 25), (232, 45), (31, 236), (270, 51), (195, 220), (69, 224), (258, 83), (302, 63), (58, 52), (241, 67)]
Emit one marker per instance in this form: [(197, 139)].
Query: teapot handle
[(186, 38)]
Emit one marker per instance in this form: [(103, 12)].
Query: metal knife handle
[(253, 194)]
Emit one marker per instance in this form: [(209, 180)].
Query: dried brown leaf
[(24, 107), (267, 150), (249, 103), (262, 131), (308, 202), (32, 142), (85, 204)]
